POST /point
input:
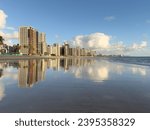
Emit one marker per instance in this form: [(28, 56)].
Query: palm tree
[(1, 40)]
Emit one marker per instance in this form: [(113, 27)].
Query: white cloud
[(109, 18), (139, 46), (10, 73), (8, 37), (3, 17), (102, 43), (95, 40)]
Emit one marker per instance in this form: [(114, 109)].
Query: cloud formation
[(101, 43), (8, 37), (109, 18), (3, 17), (94, 40), (139, 46)]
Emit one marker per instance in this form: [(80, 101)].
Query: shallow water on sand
[(74, 85)]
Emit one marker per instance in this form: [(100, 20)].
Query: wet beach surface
[(74, 85)]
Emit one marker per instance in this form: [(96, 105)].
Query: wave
[(145, 61)]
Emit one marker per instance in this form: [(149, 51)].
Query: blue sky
[(125, 21)]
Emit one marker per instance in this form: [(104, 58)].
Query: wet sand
[(77, 85), (37, 57)]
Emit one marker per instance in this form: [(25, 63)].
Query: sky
[(107, 26)]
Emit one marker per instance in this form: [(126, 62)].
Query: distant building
[(42, 43), (49, 49), (70, 51), (78, 51), (62, 50), (58, 49), (74, 52), (55, 50), (66, 49)]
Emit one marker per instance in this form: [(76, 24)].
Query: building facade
[(31, 41), (24, 40)]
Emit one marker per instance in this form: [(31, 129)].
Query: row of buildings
[(33, 42), (66, 50)]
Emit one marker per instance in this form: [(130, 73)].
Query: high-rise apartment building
[(42, 47), (49, 49), (24, 40), (66, 49), (58, 49), (32, 42), (78, 51)]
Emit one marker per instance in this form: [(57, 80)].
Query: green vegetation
[(1, 40)]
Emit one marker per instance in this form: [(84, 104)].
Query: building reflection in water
[(32, 71)]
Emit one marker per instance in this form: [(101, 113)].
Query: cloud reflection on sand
[(140, 71), (100, 70), (96, 72)]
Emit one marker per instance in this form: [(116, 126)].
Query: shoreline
[(39, 57)]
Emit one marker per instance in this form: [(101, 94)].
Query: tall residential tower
[(31, 41)]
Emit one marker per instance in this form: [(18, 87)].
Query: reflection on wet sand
[(31, 72), (95, 72), (73, 85), (140, 71)]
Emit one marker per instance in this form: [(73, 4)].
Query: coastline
[(13, 57)]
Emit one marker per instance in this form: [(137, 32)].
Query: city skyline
[(106, 26), (33, 42)]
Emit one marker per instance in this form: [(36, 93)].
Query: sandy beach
[(74, 85), (13, 57)]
